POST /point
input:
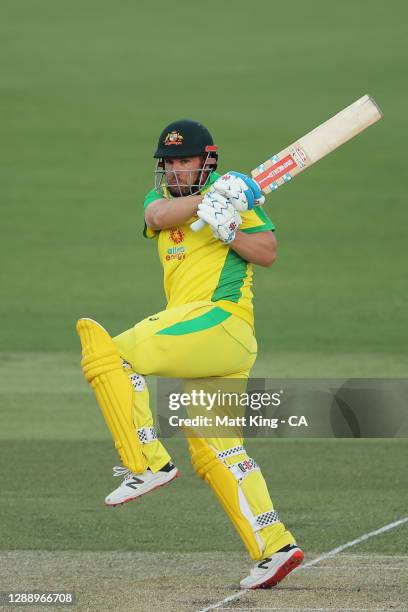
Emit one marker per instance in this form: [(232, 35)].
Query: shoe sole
[(125, 501), (288, 566)]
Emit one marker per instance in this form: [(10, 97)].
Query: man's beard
[(178, 191)]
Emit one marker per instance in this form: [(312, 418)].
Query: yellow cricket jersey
[(198, 267)]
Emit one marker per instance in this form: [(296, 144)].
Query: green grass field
[(85, 90)]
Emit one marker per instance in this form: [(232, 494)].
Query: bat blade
[(304, 152)]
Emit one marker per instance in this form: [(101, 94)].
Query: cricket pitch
[(175, 582)]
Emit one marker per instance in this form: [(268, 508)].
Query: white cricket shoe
[(136, 485), (268, 572)]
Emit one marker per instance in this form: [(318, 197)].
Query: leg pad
[(225, 486), (102, 367)]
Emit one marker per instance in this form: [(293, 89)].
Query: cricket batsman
[(205, 331)]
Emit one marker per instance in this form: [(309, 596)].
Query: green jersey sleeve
[(149, 198)]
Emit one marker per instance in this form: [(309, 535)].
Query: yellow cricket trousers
[(201, 340)]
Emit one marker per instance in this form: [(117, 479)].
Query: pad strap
[(138, 381), (146, 434), (230, 452), (265, 519)]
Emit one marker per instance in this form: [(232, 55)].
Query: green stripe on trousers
[(213, 317)]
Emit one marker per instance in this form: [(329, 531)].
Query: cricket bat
[(306, 151)]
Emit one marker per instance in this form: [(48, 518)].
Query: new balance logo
[(134, 482)]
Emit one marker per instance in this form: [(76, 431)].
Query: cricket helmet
[(184, 138)]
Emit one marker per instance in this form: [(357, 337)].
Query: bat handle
[(197, 225)]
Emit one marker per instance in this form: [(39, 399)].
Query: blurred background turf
[(86, 87)]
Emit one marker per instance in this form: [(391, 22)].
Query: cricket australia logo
[(173, 138)]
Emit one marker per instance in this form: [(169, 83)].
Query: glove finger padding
[(220, 215), (215, 199), (237, 192), (216, 215), (242, 191), (206, 213)]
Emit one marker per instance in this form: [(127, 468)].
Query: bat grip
[(197, 225)]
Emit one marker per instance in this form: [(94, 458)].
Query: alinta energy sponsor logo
[(178, 253)]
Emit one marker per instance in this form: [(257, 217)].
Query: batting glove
[(220, 215), (241, 191)]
